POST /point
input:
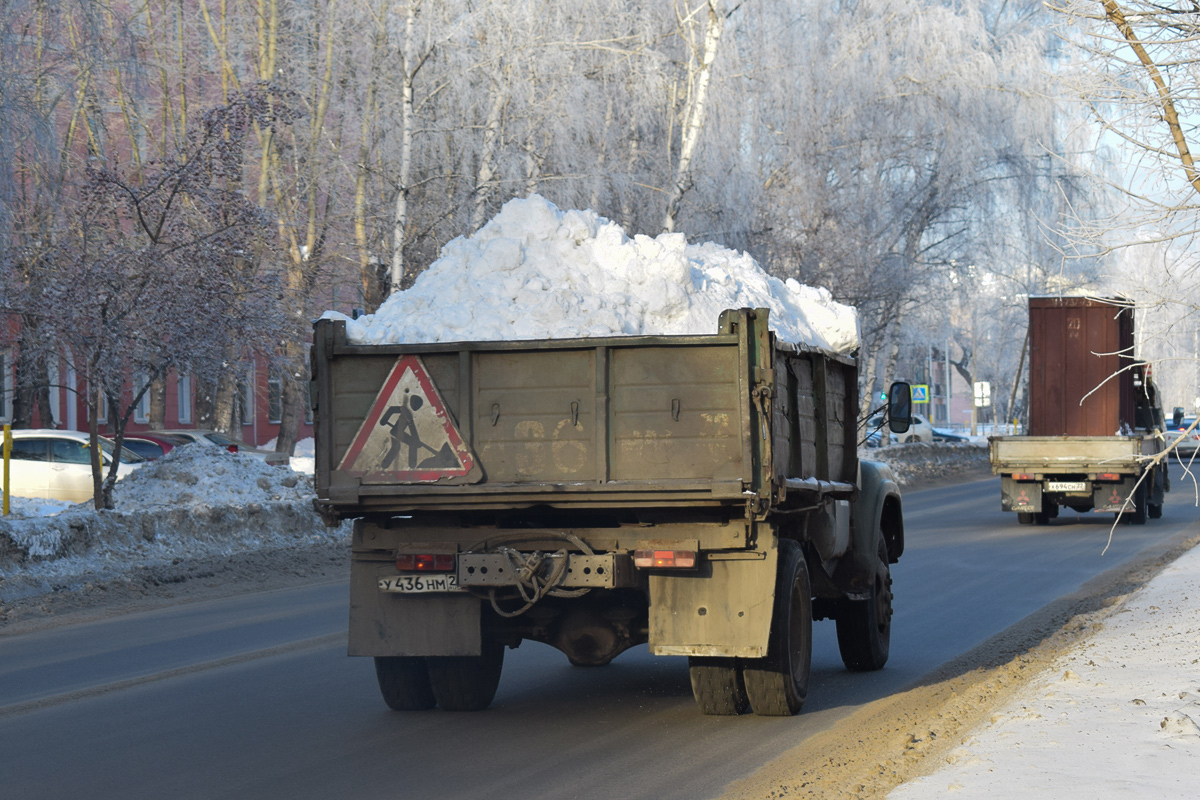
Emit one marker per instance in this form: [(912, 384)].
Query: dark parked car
[(150, 445)]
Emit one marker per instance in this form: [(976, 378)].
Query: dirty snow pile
[(1117, 717), (914, 462), (194, 502), (537, 272)]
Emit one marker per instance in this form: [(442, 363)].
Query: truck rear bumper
[(1034, 496)]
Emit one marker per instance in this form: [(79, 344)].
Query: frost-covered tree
[(1137, 71), (158, 272)]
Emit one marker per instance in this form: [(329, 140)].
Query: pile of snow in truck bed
[(536, 272)]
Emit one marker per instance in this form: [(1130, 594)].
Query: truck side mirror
[(899, 407), (1177, 417)]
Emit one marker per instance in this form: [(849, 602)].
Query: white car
[(921, 429), (56, 465)]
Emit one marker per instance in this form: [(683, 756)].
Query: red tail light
[(1109, 476), (1022, 476), (664, 559), (425, 562)]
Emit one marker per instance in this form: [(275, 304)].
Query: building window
[(274, 396), (244, 397), (141, 412), (183, 390)]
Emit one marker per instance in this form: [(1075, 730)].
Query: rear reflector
[(425, 562), (664, 559)]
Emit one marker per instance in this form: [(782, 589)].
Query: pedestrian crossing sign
[(408, 435), (920, 393)]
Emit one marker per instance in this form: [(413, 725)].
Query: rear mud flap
[(388, 624), (1112, 496), (1023, 496), (722, 609)]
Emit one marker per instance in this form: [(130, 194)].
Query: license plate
[(415, 584), (1066, 486)]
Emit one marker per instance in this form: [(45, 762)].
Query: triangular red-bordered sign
[(408, 436)]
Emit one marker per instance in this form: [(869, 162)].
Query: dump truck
[(700, 494), (1095, 420)]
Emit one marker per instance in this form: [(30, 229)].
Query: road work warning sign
[(408, 436)]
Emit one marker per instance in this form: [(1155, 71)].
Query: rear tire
[(864, 627), (777, 685), (466, 683), (1138, 516), (718, 686), (404, 683), (1025, 517)]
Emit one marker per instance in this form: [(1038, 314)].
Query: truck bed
[(716, 420)]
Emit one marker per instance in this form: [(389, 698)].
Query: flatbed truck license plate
[(415, 584), (1066, 486)]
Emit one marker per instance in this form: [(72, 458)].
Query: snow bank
[(537, 272), (1116, 717), (194, 502)]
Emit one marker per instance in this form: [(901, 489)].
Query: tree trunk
[(407, 117), (224, 409), (293, 388), (370, 272), (158, 404), (694, 113), (31, 398), (487, 158)]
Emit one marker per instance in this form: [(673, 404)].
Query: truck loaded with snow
[(1095, 420), (620, 479)]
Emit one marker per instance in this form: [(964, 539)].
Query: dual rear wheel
[(453, 683), (777, 685)]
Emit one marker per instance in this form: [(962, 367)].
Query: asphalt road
[(253, 697)]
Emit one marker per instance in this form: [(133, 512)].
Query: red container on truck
[(1095, 419)]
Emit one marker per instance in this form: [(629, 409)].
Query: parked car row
[(921, 431), (57, 464)]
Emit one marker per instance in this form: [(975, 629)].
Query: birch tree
[(1139, 76), (701, 53)]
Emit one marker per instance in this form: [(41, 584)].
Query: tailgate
[(1066, 454), (628, 419)]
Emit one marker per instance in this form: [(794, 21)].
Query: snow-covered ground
[(1116, 717)]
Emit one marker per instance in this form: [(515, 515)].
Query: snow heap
[(536, 272), (195, 502), (208, 477)]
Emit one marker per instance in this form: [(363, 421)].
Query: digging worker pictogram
[(408, 435), (404, 431)]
